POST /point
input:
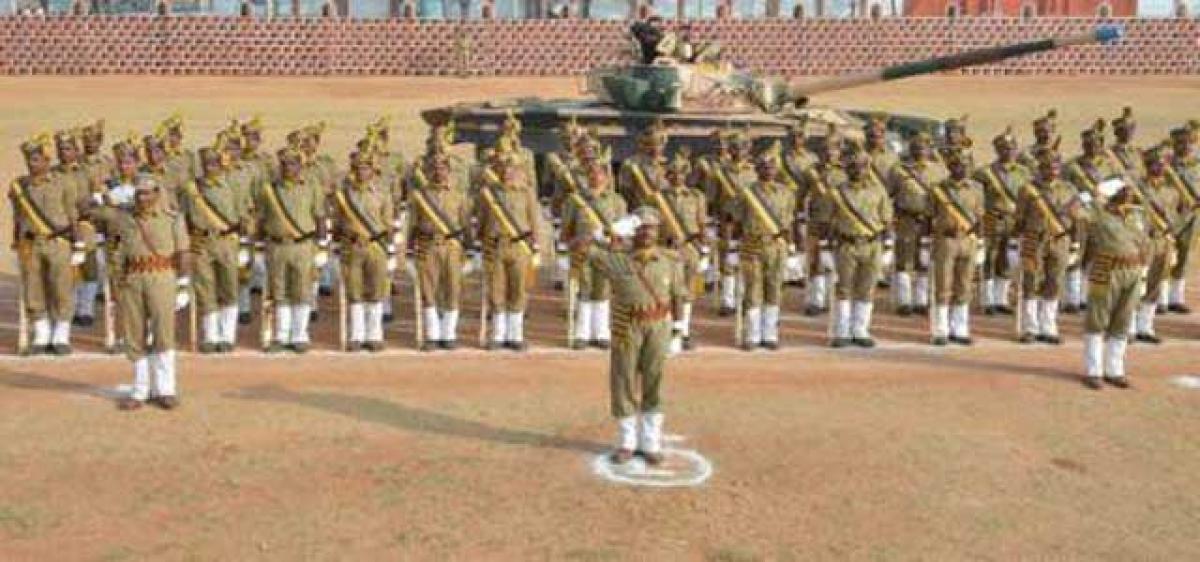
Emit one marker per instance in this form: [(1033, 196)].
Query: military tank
[(694, 93)]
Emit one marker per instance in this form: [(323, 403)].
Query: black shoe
[(725, 311), (388, 318), (244, 318), (1160, 309), (812, 310), (938, 341), (1028, 338), (961, 341), (838, 343), (579, 344), (324, 291), (1148, 338), (688, 344), (1083, 307), (883, 284), (1070, 309), (922, 309), (904, 310), (747, 346), (863, 342), (558, 285), (1052, 340), (314, 316), (60, 349), (1004, 309), (989, 310), (207, 348), (448, 345), (255, 290), (1119, 382), (301, 347), (1179, 308), (83, 321), (771, 345), (1092, 383), (430, 345), (276, 348), (516, 345), (354, 346), (601, 344)]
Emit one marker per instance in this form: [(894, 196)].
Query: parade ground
[(903, 452)]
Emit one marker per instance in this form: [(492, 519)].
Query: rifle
[(22, 320), (110, 309), (193, 320), (484, 306), (267, 305), (342, 312), (418, 311)]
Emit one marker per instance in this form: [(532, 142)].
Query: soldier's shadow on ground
[(32, 381), (408, 418)]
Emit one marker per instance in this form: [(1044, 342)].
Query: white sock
[(583, 321), (1031, 317), (1093, 355), (373, 321), (433, 325), (921, 290), (842, 318), (300, 315), (902, 286), (516, 327), (283, 323), (141, 378), (651, 435), (450, 325), (686, 319), (500, 326), (1115, 364), (61, 332), (358, 323), (860, 324), (770, 323), (163, 366), (753, 326), (729, 291), (1049, 318), (229, 316), (941, 321), (212, 327)]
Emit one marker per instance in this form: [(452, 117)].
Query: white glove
[(536, 259), (924, 253), (826, 258), (121, 195), (887, 258), (732, 259), (260, 257), (598, 235), (794, 263), (703, 265), (1014, 252), (1085, 198), (243, 256), (560, 248), (321, 259), (624, 227), (470, 264), (182, 296), (1073, 255), (98, 198), (980, 255), (77, 253), (676, 346), (411, 268), (1107, 188), (392, 263)]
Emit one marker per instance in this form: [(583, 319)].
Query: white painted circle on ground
[(1187, 381), (681, 468)]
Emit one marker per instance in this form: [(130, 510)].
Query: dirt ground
[(904, 452)]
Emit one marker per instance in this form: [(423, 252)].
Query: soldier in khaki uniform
[(70, 165), (262, 168), (290, 215), (508, 213), (1085, 172), (724, 175), (599, 204), (857, 213), (956, 210), (98, 164), (363, 213), (44, 229), (1185, 174), (1045, 228), (1161, 206), (1117, 232), (1045, 136), (687, 209), (882, 159), (438, 233), (650, 163), (218, 216), (909, 182), (762, 224), (169, 182), (954, 139), (1002, 182), (1126, 154), (180, 160), (566, 171), (151, 277), (648, 290), (99, 168), (793, 169), (817, 183)]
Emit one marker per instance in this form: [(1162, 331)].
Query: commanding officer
[(1002, 182), (150, 270), (910, 182), (648, 290), (820, 178), (1116, 230), (761, 224), (438, 233), (1184, 172), (1161, 207), (585, 211), (44, 228), (857, 212), (1085, 172), (362, 223), (684, 215), (1045, 230), (217, 215), (290, 213), (508, 230), (1126, 154), (1045, 135), (956, 205)]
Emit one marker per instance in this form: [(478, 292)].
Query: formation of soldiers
[(843, 216)]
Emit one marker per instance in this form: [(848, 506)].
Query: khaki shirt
[(303, 201), (158, 233), (1163, 202), (183, 163), (1086, 173), (882, 161), (690, 208), (1031, 220), (227, 204), (1115, 234), (909, 182), (1002, 185), (1028, 157), (99, 168), (641, 280), (866, 203), (652, 170), (519, 200), (450, 200), (1188, 171), (778, 200), (575, 221), (53, 195), (964, 198), (371, 206), (1129, 158), (819, 179), (79, 180)]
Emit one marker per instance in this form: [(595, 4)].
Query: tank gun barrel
[(799, 93)]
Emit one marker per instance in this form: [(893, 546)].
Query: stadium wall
[(168, 45)]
